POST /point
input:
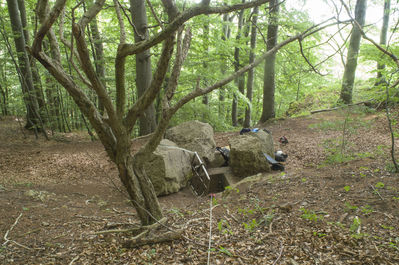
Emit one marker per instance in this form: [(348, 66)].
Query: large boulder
[(195, 136), (247, 153), (169, 168)]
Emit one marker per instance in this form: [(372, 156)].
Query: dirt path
[(54, 195)]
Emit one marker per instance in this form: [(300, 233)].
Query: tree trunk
[(348, 79), (222, 91), (98, 54), (240, 81), (250, 81), (29, 95), (37, 83), (143, 64), (383, 40), (51, 48), (205, 98), (268, 111), (4, 101)]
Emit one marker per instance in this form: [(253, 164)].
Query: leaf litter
[(55, 195)]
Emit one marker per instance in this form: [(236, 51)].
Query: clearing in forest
[(336, 203)]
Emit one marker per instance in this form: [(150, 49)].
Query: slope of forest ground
[(336, 203)]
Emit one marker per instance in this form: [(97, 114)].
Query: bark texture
[(348, 79), (269, 85), (143, 64), (383, 39), (250, 80)]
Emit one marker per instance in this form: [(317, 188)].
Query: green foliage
[(310, 215), (176, 212), (224, 227), (250, 227), (225, 251), (347, 188), (379, 185), (356, 223), (367, 209), (349, 207), (318, 234), (387, 227), (229, 188)]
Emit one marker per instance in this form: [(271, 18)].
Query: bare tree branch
[(47, 24), (87, 67), (122, 36), (307, 60), (91, 13), (130, 49), (181, 53), (154, 14), (378, 46), (151, 92)]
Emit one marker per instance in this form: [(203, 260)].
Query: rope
[(210, 230)]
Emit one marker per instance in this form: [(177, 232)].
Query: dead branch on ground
[(339, 107)]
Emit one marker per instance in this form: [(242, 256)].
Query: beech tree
[(348, 79), (240, 81), (269, 72), (143, 64), (250, 80), (383, 39), (33, 119), (115, 126)]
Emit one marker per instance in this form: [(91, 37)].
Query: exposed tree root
[(146, 235), (134, 230), (148, 238)]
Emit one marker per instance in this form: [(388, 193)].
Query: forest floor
[(334, 204)]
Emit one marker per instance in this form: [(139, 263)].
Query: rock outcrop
[(247, 153), (169, 168), (195, 136)]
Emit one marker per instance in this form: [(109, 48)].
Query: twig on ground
[(342, 218), (7, 240), (281, 253), (271, 224), (11, 228), (232, 216), (94, 218), (74, 259), (376, 191), (121, 212), (193, 220)]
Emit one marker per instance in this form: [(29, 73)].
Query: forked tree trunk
[(139, 188)]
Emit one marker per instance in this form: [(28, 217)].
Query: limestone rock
[(169, 168), (195, 136), (246, 153)]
